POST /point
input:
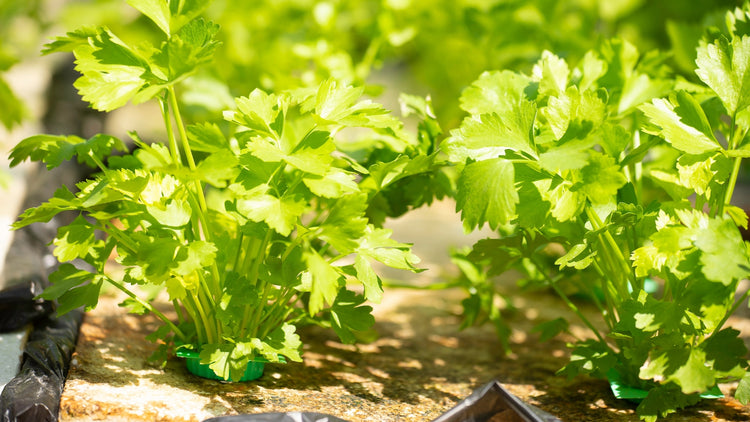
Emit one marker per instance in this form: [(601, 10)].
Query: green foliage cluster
[(264, 208), (20, 25), (438, 46), (252, 227), (630, 171)]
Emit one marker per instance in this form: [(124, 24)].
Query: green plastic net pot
[(193, 363)]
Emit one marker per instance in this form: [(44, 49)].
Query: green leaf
[(345, 223), (645, 316), (312, 154), (592, 68), (621, 58), (489, 136), (684, 365), (568, 156), (487, 194), (552, 73), (219, 168), (724, 258), (50, 149), (207, 137), (742, 394), (71, 41), (499, 254), (164, 198), (192, 46), (153, 258), (66, 277), (566, 202), (348, 314), (550, 329), (589, 357), (677, 132), (227, 360), (197, 255), (282, 341), (156, 10), (334, 102), (13, 108), (384, 173), (575, 259), (663, 400), (723, 65), (237, 293), (259, 111), (738, 215), (691, 113), (640, 88), (53, 150), (112, 73), (532, 209), (325, 282), (334, 184), (338, 103), (495, 92), (62, 200), (366, 275), (601, 179), (76, 240), (573, 114), (70, 288), (97, 148), (377, 244), (170, 15), (613, 138), (281, 214), (725, 352)]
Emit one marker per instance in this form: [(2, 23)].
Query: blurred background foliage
[(425, 47)]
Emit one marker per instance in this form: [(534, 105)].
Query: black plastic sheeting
[(491, 403), (34, 394), (18, 307)]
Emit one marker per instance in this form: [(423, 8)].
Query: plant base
[(636, 395), (193, 364)]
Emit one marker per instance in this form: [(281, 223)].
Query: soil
[(420, 366)]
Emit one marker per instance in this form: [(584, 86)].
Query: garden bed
[(420, 366)]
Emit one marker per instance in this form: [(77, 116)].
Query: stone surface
[(421, 366)]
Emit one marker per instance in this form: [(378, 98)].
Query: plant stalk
[(150, 307), (567, 301)]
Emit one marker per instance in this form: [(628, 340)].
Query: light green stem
[(731, 312), (148, 306), (257, 257), (620, 259), (98, 162), (114, 232), (202, 206), (732, 184), (568, 302), (174, 149)]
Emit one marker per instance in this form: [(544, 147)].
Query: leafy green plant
[(253, 226), (629, 172), (349, 40), (20, 27)]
